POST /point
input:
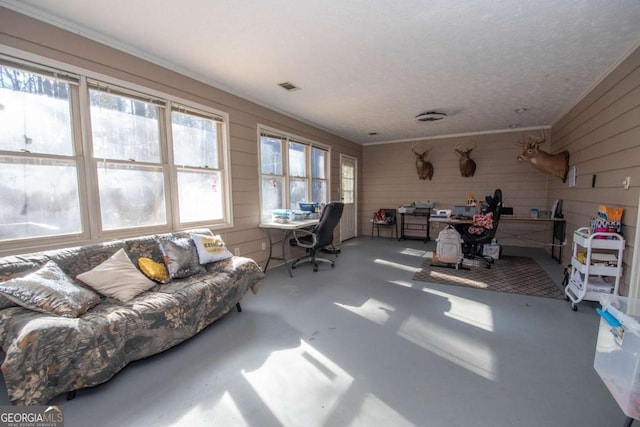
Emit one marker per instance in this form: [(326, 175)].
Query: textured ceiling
[(372, 65)]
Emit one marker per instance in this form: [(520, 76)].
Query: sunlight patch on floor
[(374, 412), (373, 310), (463, 350), (460, 280), (225, 412), (300, 386), (396, 265), (468, 311), (413, 252), (403, 283)]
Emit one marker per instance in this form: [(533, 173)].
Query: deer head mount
[(467, 166), (423, 167), (552, 164)]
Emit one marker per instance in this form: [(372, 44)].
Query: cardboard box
[(492, 250)]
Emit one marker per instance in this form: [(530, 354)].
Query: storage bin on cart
[(617, 358)]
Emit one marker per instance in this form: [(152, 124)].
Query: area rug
[(511, 274)]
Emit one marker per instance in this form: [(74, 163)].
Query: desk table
[(286, 229), (558, 231)]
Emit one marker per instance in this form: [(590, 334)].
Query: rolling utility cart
[(596, 266)]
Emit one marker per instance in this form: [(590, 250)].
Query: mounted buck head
[(553, 164), (423, 167), (467, 166)]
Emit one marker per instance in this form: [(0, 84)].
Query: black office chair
[(320, 237), (385, 218), (473, 242)]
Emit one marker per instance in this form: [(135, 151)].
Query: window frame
[(86, 164), (287, 178)]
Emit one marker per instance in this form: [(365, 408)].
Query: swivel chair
[(473, 242), (319, 237)]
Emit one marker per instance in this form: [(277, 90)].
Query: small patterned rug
[(512, 274)]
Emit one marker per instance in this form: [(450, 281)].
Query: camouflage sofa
[(44, 355)]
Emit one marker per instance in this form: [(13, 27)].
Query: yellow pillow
[(153, 270)]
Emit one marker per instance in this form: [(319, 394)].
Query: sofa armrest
[(240, 268)]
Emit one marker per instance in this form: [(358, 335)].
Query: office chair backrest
[(330, 217), (495, 206)]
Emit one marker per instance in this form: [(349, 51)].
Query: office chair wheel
[(293, 267), (315, 268)]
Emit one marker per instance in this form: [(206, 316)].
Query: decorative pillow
[(49, 290), (117, 277), (210, 248), (485, 221), (180, 256), (153, 270)]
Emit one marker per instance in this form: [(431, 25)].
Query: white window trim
[(285, 160), (87, 182)]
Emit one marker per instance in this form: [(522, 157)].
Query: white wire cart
[(596, 266)]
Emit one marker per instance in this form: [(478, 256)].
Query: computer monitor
[(464, 211)]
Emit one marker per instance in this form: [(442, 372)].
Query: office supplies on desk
[(442, 213), (464, 212)]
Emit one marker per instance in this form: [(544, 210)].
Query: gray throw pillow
[(180, 256), (49, 290)]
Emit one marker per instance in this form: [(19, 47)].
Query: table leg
[(285, 240), (270, 250)]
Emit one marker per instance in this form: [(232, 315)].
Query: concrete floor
[(364, 345)]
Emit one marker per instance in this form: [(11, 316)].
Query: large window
[(38, 168), (292, 170), (145, 161), (125, 133), (196, 155)]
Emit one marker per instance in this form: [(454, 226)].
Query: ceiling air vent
[(288, 86), (430, 116)]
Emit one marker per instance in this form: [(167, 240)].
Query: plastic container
[(281, 215), (308, 207), (617, 358)]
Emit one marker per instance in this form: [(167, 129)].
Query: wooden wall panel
[(390, 180), (602, 133)]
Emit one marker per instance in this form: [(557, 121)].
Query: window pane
[(195, 140), (35, 113), (131, 196), (270, 155), (199, 196), (348, 181), (298, 193), (297, 160), (124, 128), (39, 198), (318, 163), (272, 195), (319, 191)]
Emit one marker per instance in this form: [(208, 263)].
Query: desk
[(419, 212), (558, 231), (287, 229)]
